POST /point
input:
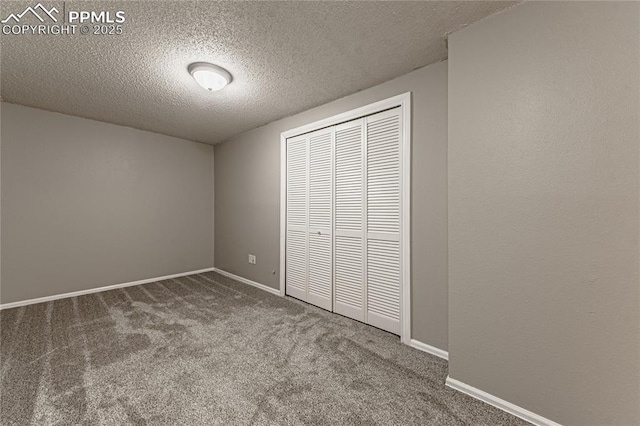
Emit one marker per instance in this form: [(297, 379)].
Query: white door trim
[(404, 101)]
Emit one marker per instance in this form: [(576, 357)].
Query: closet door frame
[(403, 101)]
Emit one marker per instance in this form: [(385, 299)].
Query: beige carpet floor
[(206, 350)]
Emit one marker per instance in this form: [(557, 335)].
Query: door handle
[(319, 233)]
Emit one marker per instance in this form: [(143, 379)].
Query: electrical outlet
[(252, 259)]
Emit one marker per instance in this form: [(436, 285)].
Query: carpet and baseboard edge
[(248, 281), (98, 289), (133, 283), (450, 382), (500, 403), (440, 353)]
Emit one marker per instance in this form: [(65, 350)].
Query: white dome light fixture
[(209, 76)]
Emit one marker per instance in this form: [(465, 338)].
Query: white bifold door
[(350, 291), (309, 254), (383, 162), (344, 219)]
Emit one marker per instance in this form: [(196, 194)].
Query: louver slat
[(320, 270), (349, 262), (296, 266), (383, 174), (296, 243), (320, 218), (349, 182), (349, 227), (383, 220), (320, 180)]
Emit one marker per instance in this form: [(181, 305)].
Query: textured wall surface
[(285, 57), (544, 133), (88, 204), (247, 185)]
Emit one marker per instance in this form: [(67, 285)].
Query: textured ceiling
[(285, 57)]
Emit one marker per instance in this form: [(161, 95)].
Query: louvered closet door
[(383, 135), (296, 244), (349, 288), (320, 218)]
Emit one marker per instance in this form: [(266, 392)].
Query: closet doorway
[(345, 214)]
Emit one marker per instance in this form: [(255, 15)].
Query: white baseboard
[(429, 349), (247, 281), (98, 289), (500, 403)]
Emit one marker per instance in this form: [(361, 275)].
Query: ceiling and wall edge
[(276, 74)]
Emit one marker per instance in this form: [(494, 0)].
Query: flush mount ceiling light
[(209, 76)]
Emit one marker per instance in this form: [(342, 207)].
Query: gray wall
[(247, 184), (543, 209), (88, 204)]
